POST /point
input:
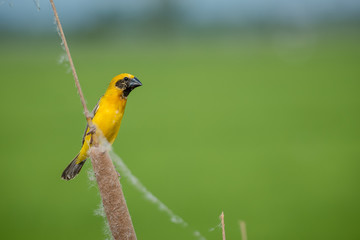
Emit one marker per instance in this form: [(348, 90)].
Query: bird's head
[(123, 84)]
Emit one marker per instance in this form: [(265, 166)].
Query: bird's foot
[(92, 130)]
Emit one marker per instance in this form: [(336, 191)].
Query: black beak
[(134, 83)]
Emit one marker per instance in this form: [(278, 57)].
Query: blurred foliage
[(262, 126)]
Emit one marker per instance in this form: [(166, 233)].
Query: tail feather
[(72, 169)]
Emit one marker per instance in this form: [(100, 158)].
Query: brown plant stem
[(77, 83), (106, 176), (111, 194), (223, 225), (243, 230)]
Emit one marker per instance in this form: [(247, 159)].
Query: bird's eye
[(126, 78)]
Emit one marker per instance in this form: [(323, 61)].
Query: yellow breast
[(108, 116)]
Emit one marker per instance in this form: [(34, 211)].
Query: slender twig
[(77, 83), (223, 225), (111, 193), (243, 230)]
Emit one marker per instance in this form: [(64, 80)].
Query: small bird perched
[(106, 117)]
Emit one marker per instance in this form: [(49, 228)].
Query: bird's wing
[(93, 112)]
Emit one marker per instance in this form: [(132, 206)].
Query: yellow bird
[(106, 117)]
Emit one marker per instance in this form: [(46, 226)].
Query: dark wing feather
[(92, 116)]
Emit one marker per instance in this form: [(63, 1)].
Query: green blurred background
[(257, 116)]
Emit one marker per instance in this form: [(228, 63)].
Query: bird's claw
[(92, 130)]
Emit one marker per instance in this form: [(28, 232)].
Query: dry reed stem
[(77, 83), (112, 196), (223, 225), (106, 176), (243, 230)]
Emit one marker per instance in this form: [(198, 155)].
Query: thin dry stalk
[(77, 83), (223, 225), (243, 230), (111, 193)]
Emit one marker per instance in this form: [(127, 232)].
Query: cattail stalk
[(111, 194), (110, 189)]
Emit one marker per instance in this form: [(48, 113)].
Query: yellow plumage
[(107, 118)]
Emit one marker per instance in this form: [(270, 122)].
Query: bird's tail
[(72, 169)]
